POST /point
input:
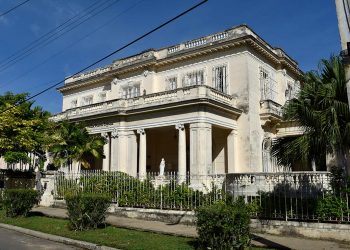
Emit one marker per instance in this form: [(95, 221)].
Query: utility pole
[(343, 14)]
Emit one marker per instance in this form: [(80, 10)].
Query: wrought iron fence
[(306, 196), (169, 191)]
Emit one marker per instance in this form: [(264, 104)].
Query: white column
[(106, 151), (142, 153), (114, 150), (232, 153), (181, 153), (201, 149), (132, 154)]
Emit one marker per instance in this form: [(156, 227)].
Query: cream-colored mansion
[(207, 106)]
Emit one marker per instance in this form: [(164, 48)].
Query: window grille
[(194, 78), (87, 100), (220, 78), (131, 91), (74, 103), (172, 83), (293, 89), (268, 85)]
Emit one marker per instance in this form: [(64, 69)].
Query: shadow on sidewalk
[(269, 243)]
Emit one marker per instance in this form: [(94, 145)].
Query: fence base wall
[(314, 230), (168, 216), (320, 231)]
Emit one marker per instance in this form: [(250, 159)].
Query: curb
[(55, 238)]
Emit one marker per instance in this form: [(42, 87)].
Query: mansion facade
[(207, 106)]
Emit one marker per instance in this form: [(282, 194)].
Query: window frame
[(223, 86)]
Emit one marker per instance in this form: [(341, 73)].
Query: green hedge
[(223, 226), (87, 210), (18, 202)]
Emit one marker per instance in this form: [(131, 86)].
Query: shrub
[(331, 207), (19, 201), (223, 226), (87, 210)]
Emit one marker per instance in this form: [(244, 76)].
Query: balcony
[(270, 112), (199, 93)]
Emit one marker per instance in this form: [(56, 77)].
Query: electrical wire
[(13, 8), (109, 55), (55, 35), (72, 44)]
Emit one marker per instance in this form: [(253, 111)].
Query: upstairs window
[(87, 100), (293, 89), (268, 86), (220, 78), (193, 78), (74, 103), (171, 83), (131, 91)]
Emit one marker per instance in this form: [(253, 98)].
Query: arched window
[(266, 155)]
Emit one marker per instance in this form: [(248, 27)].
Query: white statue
[(161, 167)]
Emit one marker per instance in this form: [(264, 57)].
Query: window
[(293, 89), (74, 103), (87, 100), (102, 96), (131, 91), (268, 86), (193, 78), (171, 83), (220, 78)]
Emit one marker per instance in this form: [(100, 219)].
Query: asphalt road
[(12, 240)]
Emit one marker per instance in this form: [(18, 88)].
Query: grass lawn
[(109, 236)]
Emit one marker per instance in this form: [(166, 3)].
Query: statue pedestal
[(160, 180)]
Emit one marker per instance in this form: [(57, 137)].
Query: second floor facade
[(235, 67)]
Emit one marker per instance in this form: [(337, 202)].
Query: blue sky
[(306, 29)]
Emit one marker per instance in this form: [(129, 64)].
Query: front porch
[(198, 148)]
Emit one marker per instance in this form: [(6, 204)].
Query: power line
[(13, 8), (51, 37), (110, 54), (73, 43)]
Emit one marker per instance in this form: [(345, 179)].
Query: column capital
[(141, 131), (180, 126), (105, 135), (114, 133)]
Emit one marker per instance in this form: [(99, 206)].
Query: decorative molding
[(141, 131), (180, 126), (115, 81), (105, 135), (114, 133)]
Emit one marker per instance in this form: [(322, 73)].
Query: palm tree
[(322, 110), (73, 143)]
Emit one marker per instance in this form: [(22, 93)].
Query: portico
[(198, 148)]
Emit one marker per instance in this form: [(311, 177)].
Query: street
[(12, 240)]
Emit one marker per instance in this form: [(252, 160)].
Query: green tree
[(74, 143), (23, 129), (322, 110)]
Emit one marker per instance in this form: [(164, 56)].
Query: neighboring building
[(207, 106)]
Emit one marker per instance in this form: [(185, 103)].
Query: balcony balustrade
[(147, 101), (269, 107)]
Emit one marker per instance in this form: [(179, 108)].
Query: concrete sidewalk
[(265, 240)]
